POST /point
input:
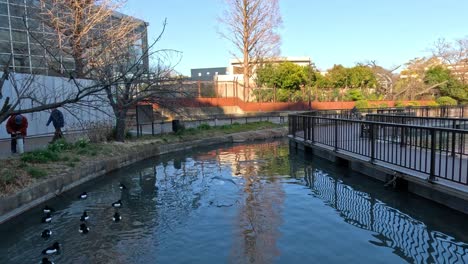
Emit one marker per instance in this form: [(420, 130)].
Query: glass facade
[(23, 47)]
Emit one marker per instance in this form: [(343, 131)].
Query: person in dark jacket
[(16, 126), (56, 117)]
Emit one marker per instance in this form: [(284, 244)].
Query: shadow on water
[(243, 203), (418, 230)]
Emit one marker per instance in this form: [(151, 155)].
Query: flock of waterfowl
[(83, 229)]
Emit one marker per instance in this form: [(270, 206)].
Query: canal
[(242, 203)]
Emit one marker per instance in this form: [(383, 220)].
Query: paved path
[(390, 153), (32, 143)]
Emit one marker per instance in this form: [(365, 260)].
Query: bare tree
[(386, 78), (411, 84), (128, 82), (91, 32), (251, 26), (454, 55)]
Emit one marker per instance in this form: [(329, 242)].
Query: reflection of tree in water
[(260, 214), (181, 187), (409, 238)]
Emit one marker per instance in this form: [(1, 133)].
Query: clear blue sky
[(330, 32)]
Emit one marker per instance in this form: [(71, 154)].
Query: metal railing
[(163, 127), (434, 151), (420, 111), (447, 122)]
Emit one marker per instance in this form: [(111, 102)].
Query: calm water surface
[(254, 203)]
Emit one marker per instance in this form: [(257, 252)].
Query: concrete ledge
[(441, 192), (14, 205)]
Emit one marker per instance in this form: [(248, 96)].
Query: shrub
[(204, 127), (432, 104), (59, 145), (282, 95), (362, 104), (263, 95), (354, 95), (446, 100), (383, 105), (95, 131), (40, 156), (36, 173), (82, 143), (7, 177), (399, 104), (413, 103)]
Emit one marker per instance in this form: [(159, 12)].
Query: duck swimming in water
[(84, 217), (47, 209), (117, 204), (116, 217), (47, 218), (83, 196), (122, 187), (46, 234), (54, 249), (83, 229)]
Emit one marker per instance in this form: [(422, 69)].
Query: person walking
[(56, 117), (17, 126)]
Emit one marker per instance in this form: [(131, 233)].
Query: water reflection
[(251, 203), (260, 213), (409, 238)]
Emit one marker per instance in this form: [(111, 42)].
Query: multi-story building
[(21, 35), (29, 56), (460, 70), (206, 74), (236, 65)]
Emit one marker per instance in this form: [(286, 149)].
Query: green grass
[(205, 130), (36, 173), (40, 156), (61, 151), (7, 177)]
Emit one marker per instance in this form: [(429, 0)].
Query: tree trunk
[(121, 125)]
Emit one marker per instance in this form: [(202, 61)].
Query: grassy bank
[(19, 172)]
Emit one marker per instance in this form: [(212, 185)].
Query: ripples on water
[(241, 204)]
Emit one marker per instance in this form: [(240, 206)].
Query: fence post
[(152, 128), (312, 127), (432, 177), (454, 126), (336, 135), (304, 127), (372, 138)]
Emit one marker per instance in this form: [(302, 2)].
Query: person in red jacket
[(16, 126)]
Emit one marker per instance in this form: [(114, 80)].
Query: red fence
[(271, 107)]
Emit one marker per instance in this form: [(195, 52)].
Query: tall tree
[(251, 26), (134, 83), (91, 32), (455, 55)]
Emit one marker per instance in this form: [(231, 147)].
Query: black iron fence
[(163, 127), (460, 111), (434, 151), (447, 122)]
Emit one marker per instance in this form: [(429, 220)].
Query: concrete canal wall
[(447, 193)]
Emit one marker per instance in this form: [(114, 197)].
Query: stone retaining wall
[(30, 197)]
